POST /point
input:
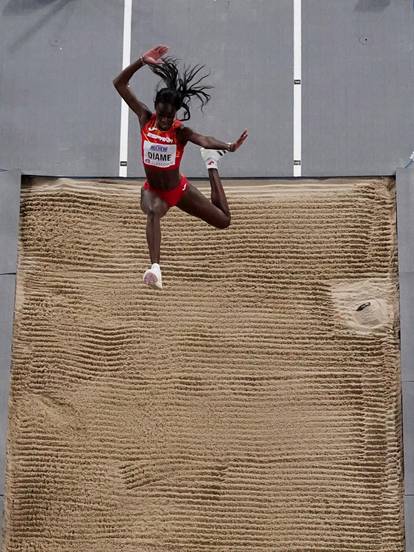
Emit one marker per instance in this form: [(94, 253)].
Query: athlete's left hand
[(243, 137)]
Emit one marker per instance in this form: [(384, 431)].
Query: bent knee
[(149, 210), (154, 211), (152, 205)]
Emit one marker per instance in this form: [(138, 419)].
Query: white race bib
[(159, 155)]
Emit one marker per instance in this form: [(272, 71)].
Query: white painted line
[(297, 87), (126, 60)]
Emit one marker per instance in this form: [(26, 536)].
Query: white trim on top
[(126, 60), (297, 87)]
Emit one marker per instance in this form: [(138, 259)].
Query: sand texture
[(253, 405)]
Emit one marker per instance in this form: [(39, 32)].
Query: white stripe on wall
[(126, 60), (297, 87)]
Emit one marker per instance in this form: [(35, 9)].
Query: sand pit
[(252, 405)]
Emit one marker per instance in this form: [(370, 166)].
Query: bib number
[(159, 155)]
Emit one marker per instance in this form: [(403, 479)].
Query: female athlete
[(163, 140)]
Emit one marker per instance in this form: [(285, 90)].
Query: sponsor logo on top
[(166, 139)]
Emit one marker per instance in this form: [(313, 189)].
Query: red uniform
[(161, 150)]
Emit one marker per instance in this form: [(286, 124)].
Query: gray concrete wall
[(358, 82), (60, 115), (405, 222), (9, 229), (248, 46)]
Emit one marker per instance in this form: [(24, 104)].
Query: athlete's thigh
[(151, 203), (198, 205)]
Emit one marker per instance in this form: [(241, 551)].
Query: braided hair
[(180, 88)]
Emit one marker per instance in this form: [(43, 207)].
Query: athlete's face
[(165, 115)]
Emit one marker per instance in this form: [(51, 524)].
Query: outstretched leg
[(155, 208), (215, 212)]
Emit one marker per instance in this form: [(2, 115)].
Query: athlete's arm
[(121, 82), (209, 142)]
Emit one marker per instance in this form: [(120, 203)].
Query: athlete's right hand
[(153, 56)]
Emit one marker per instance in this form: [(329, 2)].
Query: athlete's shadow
[(372, 5), (20, 7), (27, 7)]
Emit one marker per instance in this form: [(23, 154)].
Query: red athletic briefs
[(171, 197)]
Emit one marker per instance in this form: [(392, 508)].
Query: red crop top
[(161, 148)]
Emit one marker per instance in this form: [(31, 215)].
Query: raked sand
[(253, 405)]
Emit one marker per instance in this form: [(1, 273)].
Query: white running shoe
[(152, 276), (211, 156)]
